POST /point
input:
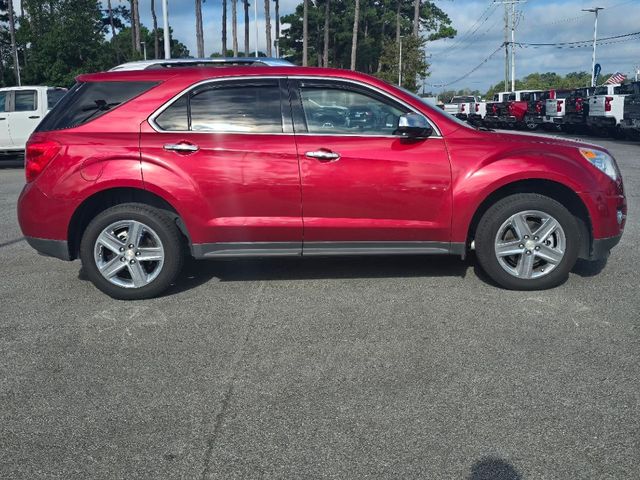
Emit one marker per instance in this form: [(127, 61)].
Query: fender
[(509, 166)]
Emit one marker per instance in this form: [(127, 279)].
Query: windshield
[(440, 111), (462, 100)]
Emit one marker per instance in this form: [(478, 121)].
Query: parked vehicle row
[(607, 109)]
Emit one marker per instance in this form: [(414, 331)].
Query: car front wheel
[(131, 251), (527, 242)]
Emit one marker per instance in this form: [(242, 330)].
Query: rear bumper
[(50, 248), (556, 120), (602, 246), (574, 119), (632, 123), (601, 121)]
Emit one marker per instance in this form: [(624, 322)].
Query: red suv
[(131, 171)]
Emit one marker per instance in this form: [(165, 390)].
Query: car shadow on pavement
[(196, 273), (493, 468)]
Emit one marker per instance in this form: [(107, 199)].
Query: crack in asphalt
[(11, 242), (233, 375)]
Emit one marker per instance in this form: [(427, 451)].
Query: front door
[(232, 143), (365, 189)]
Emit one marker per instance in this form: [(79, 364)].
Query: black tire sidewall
[(493, 219), (163, 227)]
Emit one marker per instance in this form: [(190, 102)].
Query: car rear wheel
[(527, 242), (131, 251)]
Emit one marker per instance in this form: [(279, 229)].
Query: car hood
[(544, 140)]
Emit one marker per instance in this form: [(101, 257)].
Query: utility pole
[(595, 39), (167, 38), (508, 43), (506, 47), (513, 47)]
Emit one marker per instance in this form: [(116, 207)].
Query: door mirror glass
[(414, 126)]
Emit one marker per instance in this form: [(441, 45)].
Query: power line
[(557, 44), (438, 85), (468, 35)]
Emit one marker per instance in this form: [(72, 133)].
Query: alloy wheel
[(129, 254), (530, 244)]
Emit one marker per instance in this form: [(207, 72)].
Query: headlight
[(601, 161)]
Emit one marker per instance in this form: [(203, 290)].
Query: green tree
[(379, 23), (414, 62), (65, 38)]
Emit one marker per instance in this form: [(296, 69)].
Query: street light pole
[(595, 39), (400, 64), (167, 38), (255, 21)]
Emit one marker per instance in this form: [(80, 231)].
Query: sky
[(540, 21)]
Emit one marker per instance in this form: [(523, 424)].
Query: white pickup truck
[(606, 108), (460, 106), (555, 107), (21, 109)]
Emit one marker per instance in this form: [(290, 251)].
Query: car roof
[(194, 74), (32, 87), (200, 62)]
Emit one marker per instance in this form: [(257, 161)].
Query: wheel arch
[(550, 188), (104, 199)]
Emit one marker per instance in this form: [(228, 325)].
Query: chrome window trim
[(152, 118)]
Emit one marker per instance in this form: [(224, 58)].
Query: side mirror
[(413, 126)]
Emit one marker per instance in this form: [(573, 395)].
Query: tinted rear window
[(90, 100)]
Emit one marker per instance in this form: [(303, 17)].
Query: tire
[(496, 230), (159, 241)]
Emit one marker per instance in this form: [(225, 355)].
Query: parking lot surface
[(395, 367)]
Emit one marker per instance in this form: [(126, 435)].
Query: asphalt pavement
[(347, 368)]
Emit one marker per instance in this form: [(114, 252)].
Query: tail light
[(477, 107), (559, 105), (579, 104), (510, 107), (539, 106), (37, 157), (494, 109), (462, 108), (607, 104)]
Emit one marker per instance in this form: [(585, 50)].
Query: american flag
[(616, 78)]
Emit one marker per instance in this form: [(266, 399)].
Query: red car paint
[(262, 188)]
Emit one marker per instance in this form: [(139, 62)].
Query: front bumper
[(602, 246)]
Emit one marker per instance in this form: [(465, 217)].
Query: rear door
[(24, 116), (364, 189), (232, 143), (5, 138)]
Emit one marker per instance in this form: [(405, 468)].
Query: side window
[(25, 101), (3, 102), (338, 111), (54, 95), (228, 108)]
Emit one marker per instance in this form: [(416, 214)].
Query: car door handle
[(323, 155), (35, 116), (181, 147)]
